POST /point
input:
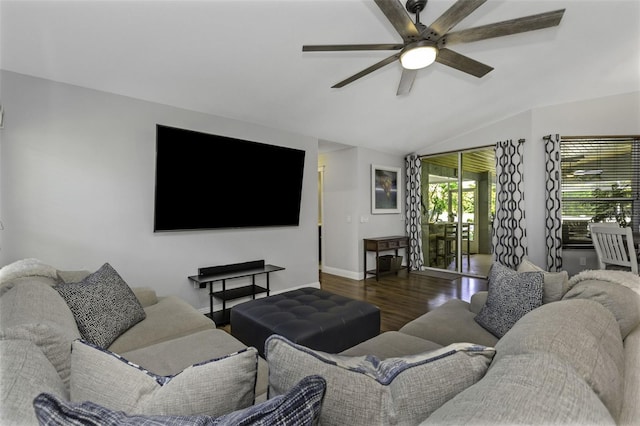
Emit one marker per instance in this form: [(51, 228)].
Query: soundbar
[(233, 267)]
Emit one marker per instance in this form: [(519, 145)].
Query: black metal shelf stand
[(213, 274)]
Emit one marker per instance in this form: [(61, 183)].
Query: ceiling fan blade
[(399, 18), (366, 71), (456, 13), (406, 81), (504, 28), (348, 47), (462, 63)]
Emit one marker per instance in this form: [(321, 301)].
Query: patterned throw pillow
[(214, 387), (365, 390), (300, 406), (103, 305), (556, 284), (511, 295)]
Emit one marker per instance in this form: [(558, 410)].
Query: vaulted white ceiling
[(243, 59)]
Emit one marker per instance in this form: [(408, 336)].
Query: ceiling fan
[(422, 45)]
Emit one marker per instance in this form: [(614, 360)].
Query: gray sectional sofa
[(37, 330), (574, 359)]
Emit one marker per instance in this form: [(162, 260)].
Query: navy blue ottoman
[(308, 316)]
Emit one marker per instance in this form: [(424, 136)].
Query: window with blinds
[(600, 183)]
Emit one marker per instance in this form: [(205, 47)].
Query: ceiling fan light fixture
[(418, 55)]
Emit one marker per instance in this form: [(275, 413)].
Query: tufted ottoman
[(308, 316)]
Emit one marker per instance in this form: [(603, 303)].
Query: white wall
[(613, 115), (77, 171), (377, 225), (340, 212), (347, 209)]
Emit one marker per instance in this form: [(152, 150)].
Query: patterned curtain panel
[(509, 235), (413, 221), (553, 213)]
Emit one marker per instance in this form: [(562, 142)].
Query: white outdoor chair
[(614, 246)]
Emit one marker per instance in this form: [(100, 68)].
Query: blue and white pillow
[(511, 295), (300, 406), (367, 390)]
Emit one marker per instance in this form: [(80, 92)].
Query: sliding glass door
[(457, 211)]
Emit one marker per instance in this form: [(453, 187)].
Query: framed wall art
[(386, 189)]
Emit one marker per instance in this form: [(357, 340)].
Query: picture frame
[(386, 189)]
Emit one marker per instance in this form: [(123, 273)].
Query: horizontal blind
[(600, 183)]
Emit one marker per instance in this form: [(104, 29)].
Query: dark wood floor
[(404, 297)]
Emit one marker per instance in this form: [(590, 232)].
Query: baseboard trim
[(343, 273)]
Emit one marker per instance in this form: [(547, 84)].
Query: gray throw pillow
[(364, 390), (556, 284), (511, 295), (300, 406), (103, 305), (213, 387)]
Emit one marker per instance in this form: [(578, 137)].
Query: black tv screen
[(206, 181)]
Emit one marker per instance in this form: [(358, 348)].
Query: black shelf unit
[(220, 274)]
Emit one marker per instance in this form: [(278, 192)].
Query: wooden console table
[(222, 273), (382, 244)]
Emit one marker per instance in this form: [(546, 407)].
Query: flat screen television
[(206, 181)]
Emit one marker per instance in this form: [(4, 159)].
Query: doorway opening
[(320, 214)]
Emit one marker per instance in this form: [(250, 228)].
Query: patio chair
[(614, 246)]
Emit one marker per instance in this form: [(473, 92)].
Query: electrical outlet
[(583, 261)]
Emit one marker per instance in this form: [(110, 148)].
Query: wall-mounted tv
[(206, 181)]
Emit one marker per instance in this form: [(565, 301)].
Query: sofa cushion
[(451, 322), (33, 310), (300, 406), (477, 301), (72, 276), (168, 319), (555, 283), (536, 388), (365, 390), (623, 302), (145, 295), (103, 305), (214, 387), (511, 296), (392, 344), (25, 372), (581, 332)]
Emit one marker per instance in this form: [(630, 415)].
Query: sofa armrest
[(147, 296), (477, 301)]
